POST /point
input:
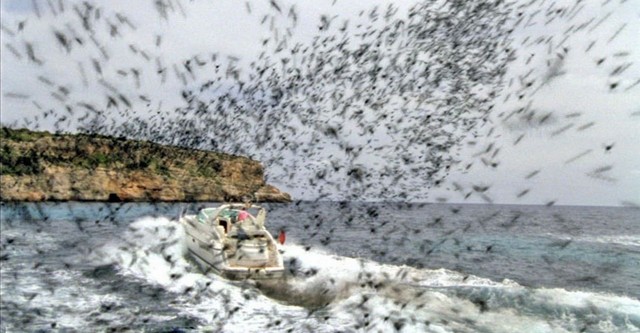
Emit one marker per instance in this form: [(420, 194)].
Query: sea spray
[(360, 294)]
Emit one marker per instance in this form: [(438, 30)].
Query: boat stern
[(241, 273)]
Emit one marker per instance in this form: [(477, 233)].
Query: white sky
[(225, 28)]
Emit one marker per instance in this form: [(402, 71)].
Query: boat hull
[(210, 262)]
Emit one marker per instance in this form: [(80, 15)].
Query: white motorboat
[(233, 242)]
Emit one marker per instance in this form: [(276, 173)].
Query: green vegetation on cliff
[(92, 167), (25, 152)]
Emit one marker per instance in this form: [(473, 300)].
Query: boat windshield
[(206, 214)]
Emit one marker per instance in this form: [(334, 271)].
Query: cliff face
[(38, 166)]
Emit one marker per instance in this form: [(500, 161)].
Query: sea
[(351, 267)]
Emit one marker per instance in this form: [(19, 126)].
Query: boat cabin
[(227, 218)]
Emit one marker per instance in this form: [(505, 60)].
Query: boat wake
[(323, 292)]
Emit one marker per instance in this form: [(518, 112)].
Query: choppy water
[(354, 267)]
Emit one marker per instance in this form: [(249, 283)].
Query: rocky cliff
[(38, 166)]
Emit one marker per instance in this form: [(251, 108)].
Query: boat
[(232, 241)]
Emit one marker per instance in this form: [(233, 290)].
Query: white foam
[(63, 299), (359, 291), (626, 240)]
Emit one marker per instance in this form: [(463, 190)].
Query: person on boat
[(243, 214)]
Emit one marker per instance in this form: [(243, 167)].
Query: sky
[(559, 154)]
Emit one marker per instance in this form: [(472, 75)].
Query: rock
[(38, 166), (270, 193)]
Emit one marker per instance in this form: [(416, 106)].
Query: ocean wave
[(632, 241), (625, 240), (324, 292)]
